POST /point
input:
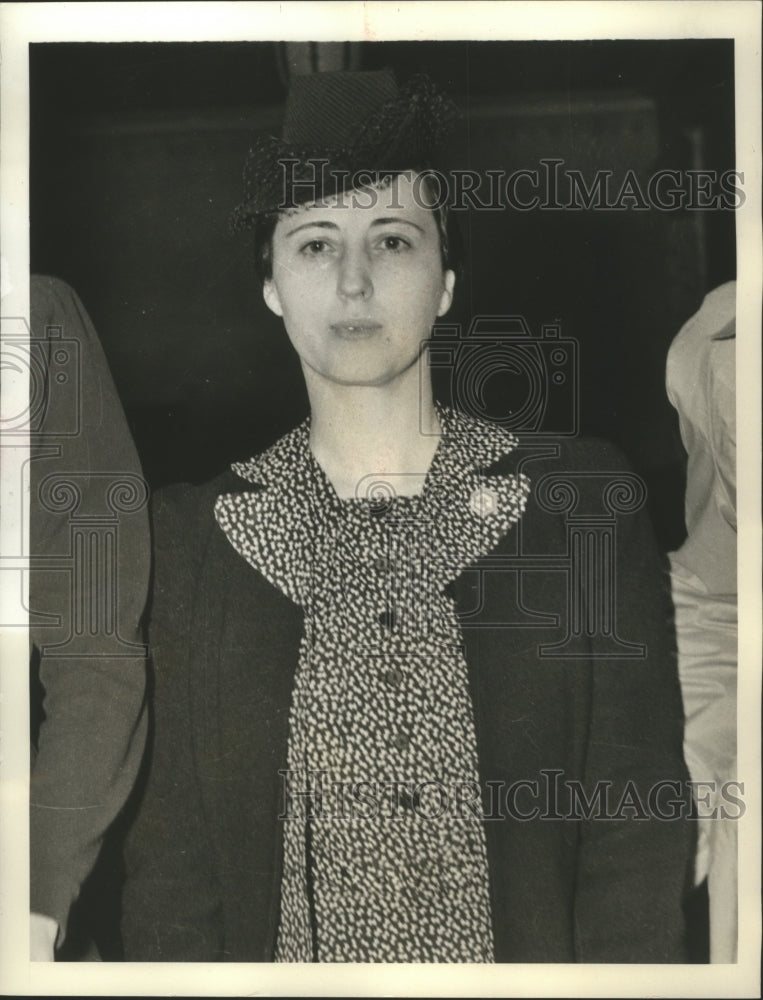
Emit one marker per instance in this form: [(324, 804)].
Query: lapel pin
[(484, 501)]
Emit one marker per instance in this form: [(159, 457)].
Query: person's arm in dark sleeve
[(87, 752), (634, 867), (171, 908)]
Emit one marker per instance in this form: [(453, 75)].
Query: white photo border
[(22, 24)]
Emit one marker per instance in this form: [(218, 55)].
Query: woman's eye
[(395, 243), (314, 248)]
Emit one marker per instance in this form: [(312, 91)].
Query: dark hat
[(337, 128)]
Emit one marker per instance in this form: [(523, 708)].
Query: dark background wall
[(137, 152)]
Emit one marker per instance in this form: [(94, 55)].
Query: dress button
[(381, 563), (410, 802), (393, 676), (388, 619), (401, 742)]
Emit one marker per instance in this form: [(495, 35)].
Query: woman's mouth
[(355, 328)]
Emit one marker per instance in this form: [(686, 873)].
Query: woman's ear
[(270, 294), (447, 295)]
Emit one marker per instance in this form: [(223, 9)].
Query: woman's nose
[(354, 276)]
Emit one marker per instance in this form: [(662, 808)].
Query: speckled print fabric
[(384, 856)]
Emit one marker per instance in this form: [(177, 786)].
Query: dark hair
[(451, 243)]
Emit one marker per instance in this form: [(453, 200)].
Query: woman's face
[(359, 282)]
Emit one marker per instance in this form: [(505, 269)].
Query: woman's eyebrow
[(395, 220), (312, 225), (392, 220)]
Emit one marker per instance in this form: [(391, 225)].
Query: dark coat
[(203, 860)]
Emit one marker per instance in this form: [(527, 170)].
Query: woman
[(347, 723)]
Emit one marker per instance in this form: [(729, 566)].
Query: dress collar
[(294, 515), (465, 442)]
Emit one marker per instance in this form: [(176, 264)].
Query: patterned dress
[(384, 847)]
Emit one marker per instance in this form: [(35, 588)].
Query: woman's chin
[(362, 375)]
